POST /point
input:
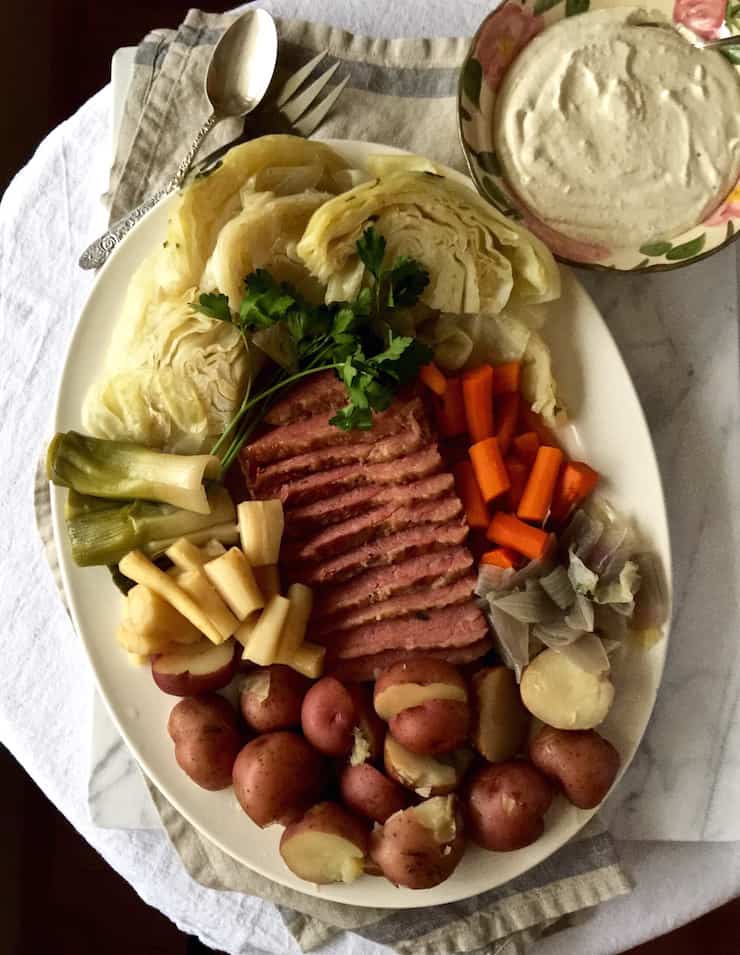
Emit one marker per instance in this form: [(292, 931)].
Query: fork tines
[(296, 106)]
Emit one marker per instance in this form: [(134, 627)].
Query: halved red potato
[(370, 793), (425, 702), (271, 698), (421, 846), (277, 777), (198, 668), (425, 775), (328, 844)]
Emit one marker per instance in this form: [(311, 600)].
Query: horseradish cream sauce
[(618, 132)]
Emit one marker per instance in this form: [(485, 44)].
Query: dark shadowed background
[(56, 894)]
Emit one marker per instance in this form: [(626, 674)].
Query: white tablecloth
[(47, 215)]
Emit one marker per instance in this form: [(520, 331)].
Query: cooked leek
[(102, 532), (121, 471)]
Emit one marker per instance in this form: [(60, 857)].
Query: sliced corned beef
[(315, 432), (315, 487), (455, 626), (382, 552), (374, 523), (310, 518), (428, 570), (402, 605), (370, 667), (318, 393), (267, 480)]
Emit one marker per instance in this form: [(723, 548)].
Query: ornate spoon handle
[(97, 253)]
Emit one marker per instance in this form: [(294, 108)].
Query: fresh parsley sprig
[(341, 336)]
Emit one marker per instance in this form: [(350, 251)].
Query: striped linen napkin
[(401, 92)]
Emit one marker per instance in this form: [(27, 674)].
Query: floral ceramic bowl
[(500, 39)]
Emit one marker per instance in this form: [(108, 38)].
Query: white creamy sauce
[(616, 132)]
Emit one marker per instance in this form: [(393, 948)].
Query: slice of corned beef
[(315, 432), (315, 487), (456, 626), (374, 523), (302, 521), (402, 605), (373, 586), (370, 667), (318, 394), (382, 552), (267, 480)]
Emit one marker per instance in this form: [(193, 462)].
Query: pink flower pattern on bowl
[(703, 17), (729, 209), (504, 35)]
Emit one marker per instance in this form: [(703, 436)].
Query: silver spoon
[(239, 73)]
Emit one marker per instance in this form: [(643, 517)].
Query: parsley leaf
[(213, 305), (371, 250), (406, 281)]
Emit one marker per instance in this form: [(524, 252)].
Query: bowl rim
[(574, 263)]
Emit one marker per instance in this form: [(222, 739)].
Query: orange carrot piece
[(501, 557), (526, 446), (433, 378), (537, 497), (478, 398), (508, 531), (575, 483), (476, 511), (518, 473), (507, 412), (489, 468), (451, 410), (530, 421), (506, 377)]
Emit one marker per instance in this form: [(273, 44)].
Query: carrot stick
[(530, 421), (576, 482), (478, 399), (433, 378), (501, 557), (476, 510), (507, 412), (489, 469), (518, 473), (526, 446), (508, 531), (537, 497), (506, 377), (451, 410)]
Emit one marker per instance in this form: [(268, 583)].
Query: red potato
[(207, 740), (328, 844), (421, 846), (277, 777), (582, 762), (271, 698), (425, 775), (368, 792), (195, 669), (425, 702), (501, 719), (339, 721), (505, 805)]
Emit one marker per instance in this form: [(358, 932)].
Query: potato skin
[(207, 740), (419, 670), (370, 793), (433, 727), (277, 777), (328, 717), (281, 708), (407, 853), (581, 761), (505, 804)]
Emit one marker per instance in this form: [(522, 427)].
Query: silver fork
[(302, 110)]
